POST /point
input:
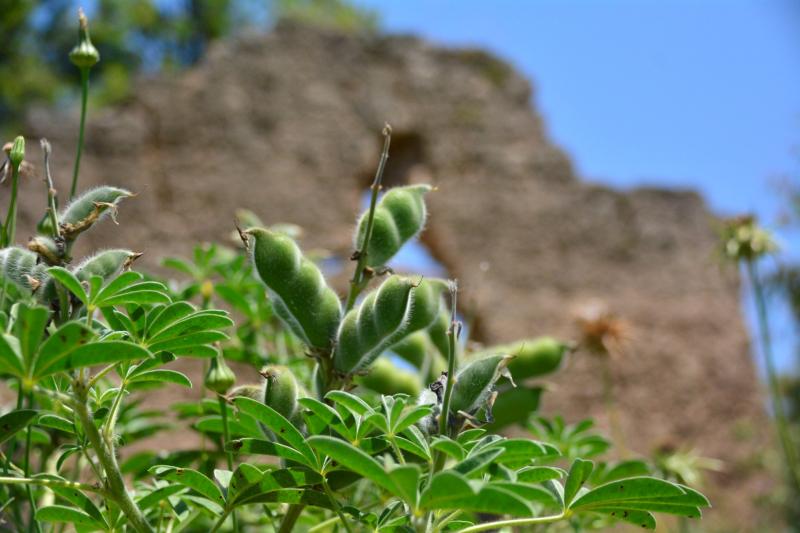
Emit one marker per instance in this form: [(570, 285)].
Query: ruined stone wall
[(288, 125)]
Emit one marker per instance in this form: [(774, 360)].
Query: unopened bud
[(17, 153), (220, 378), (84, 55)]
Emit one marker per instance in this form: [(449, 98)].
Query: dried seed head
[(601, 332), (742, 239)]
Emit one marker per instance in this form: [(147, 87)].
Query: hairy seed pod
[(532, 357), (399, 216), (20, 267), (47, 249), (385, 377), (474, 383), (105, 264), (280, 390), (87, 209), (300, 296), (254, 392), (418, 350), (399, 307)]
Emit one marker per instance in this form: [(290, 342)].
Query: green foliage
[(373, 447)]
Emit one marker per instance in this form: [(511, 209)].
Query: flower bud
[(84, 55), (17, 153), (220, 378)]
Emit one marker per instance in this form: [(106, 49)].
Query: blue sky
[(699, 94)]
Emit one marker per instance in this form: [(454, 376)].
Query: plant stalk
[(33, 525), (290, 518), (11, 218), (52, 207), (781, 422), (84, 98), (45, 482), (357, 284), (223, 408), (514, 522), (115, 485), (452, 333)]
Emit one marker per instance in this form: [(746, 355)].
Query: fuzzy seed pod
[(47, 249), (399, 307), (17, 153), (475, 382), (418, 350), (87, 209), (105, 264), (399, 216), (300, 296), (219, 378), (254, 392), (385, 377), (532, 357), (84, 55), (20, 267), (280, 390)]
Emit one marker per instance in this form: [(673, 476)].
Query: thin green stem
[(223, 407), (114, 483), (44, 482), (290, 518), (452, 333), (396, 450), (11, 218), (33, 525), (84, 98), (781, 422), (446, 519), (337, 507), (514, 522), (52, 208), (358, 282)]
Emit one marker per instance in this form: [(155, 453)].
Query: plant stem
[(396, 450), (51, 483), (115, 485), (291, 516), (26, 466), (514, 522), (223, 407), (357, 284), (790, 453), (52, 208), (84, 98), (336, 505), (11, 218), (452, 333)]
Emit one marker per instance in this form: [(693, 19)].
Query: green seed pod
[(475, 381), (532, 357), (219, 378), (300, 296), (399, 216), (17, 153), (418, 350), (87, 209), (84, 55), (20, 267), (280, 390), (105, 264), (399, 307), (254, 392), (385, 377)]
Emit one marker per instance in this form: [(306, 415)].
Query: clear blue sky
[(700, 94)]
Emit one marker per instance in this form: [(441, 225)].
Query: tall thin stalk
[(359, 280), (223, 407), (452, 334), (781, 421), (79, 151)]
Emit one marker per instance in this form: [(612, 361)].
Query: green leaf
[(477, 461), (292, 496), (448, 446), (351, 402), (56, 422), (118, 284), (265, 447), (406, 480), (538, 474), (271, 481), (76, 498), (61, 513), (411, 417), (154, 497), (328, 415), (529, 492), (10, 358), (639, 490), (162, 376), (70, 281), (445, 488), (519, 452), (640, 518), (95, 353), (579, 472), (11, 423), (354, 459), (29, 329), (192, 479), (281, 427), (60, 344)]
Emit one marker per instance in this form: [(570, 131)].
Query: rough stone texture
[(288, 125)]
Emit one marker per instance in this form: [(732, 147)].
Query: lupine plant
[(371, 414)]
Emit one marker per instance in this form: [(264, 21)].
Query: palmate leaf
[(11, 423), (249, 484), (354, 459), (77, 498), (95, 353), (449, 490), (10, 356), (265, 447)]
